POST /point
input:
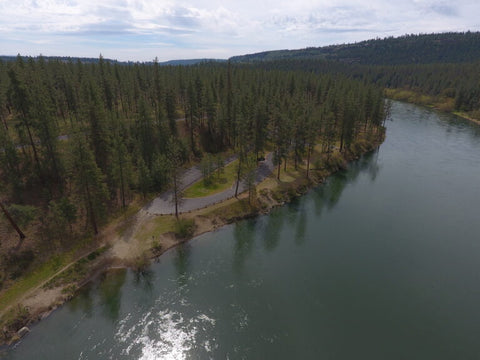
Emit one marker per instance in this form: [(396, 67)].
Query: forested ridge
[(79, 142), (85, 60), (450, 47), (454, 87), (431, 69)]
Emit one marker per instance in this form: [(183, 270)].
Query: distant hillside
[(190, 61), (408, 49), (95, 60), (61, 58)]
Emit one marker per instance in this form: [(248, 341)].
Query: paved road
[(164, 204)]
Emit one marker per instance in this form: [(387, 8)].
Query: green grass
[(231, 211), (219, 184), (33, 279), (39, 274), (160, 225)]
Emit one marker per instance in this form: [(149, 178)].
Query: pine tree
[(88, 180), (175, 159)]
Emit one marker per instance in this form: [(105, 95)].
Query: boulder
[(23, 331)]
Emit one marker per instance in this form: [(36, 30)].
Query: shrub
[(141, 264), (184, 228), (18, 263), (359, 147), (22, 214), (336, 161)]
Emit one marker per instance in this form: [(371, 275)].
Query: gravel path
[(164, 204)]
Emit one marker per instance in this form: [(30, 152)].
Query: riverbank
[(441, 103), (137, 239)]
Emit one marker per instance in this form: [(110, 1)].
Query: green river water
[(381, 262)]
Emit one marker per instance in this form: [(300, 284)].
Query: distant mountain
[(95, 60), (408, 49), (190, 61), (61, 58)]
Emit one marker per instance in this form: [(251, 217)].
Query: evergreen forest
[(81, 141), (442, 70)]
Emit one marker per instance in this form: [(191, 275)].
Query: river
[(381, 262)]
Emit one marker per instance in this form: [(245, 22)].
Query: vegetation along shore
[(87, 146)]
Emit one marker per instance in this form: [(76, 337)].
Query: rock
[(23, 331)]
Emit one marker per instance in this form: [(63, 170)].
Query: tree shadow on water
[(244, 234), (328, 195), (182, 263), (300, 227), (273, 228), (110, 293), (83, 301), (144, 279)]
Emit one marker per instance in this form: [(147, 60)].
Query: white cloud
[(143, 29)]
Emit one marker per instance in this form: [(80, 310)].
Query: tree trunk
[(341, 140), (12, 222), (4, 120), (122, 185), (35, 154), (175, 194), (308, 160), (295, 161), (238, 177), (92, 214)]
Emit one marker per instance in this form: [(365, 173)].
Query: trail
[(164, 204)]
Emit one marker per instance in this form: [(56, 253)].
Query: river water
[(381, 262)]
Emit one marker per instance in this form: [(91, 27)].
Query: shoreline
[(419, 99), (130, 252), (466, 117)]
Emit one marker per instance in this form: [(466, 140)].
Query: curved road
[(164, 205)]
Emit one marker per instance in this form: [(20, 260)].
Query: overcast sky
[(141, 30)]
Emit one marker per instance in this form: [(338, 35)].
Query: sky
[(140, 30)]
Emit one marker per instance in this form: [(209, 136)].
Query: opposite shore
[(444, 104)]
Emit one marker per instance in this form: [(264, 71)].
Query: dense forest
[(444, 67), (454, 87), (79, 142), (408, 49), (436, 69)]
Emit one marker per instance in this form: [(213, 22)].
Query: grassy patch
[(218, 184), (232, 211), (156, 227), (38, 274), (33, 279), (76, 272)]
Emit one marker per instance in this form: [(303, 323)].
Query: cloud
[(167, 29), (444, 9)]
